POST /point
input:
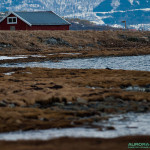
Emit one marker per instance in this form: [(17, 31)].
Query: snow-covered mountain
[(112, 12), (108, 5)]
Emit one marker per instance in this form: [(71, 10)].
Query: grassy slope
[(89, 43)]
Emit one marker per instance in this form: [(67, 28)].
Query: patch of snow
[(115, 4), (36, 56), (117, 26), (141, 26), (138, 2), (131, 1)]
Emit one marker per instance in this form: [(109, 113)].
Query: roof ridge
[(30, 11)]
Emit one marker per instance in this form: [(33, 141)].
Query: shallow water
[(124, 62), (9, 73), (125, 124), (13, 57), (138, 89), (19, 57)]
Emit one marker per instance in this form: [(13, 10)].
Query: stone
[(57, 41), (3, 103), (11, 105), (56, 87), (81, 100), (52, 41), (5, 45), (69, 103), (108, 68)]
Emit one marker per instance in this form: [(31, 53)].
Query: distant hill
[(79, 24)]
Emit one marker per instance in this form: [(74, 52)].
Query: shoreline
[(56, 58)]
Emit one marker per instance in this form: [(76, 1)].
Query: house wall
[(19, 26), (23, 26), (54, 27)]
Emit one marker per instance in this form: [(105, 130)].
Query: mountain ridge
[(110, 12)]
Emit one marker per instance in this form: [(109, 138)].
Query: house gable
[(18, 25), (15, 15)]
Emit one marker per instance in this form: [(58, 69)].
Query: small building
[(38, 20)]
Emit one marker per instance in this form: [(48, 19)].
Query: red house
[(40, 20)]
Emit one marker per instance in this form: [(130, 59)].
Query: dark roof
[(42, 18)]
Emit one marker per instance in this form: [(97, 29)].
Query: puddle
[(27, 72), (9, 73), (125, 62), (51, 54), (125, 124), (36, 56), (93, 87), (65, 54), (70, 53), (19, 57), (26, 56), (15, 57), (129, 88)]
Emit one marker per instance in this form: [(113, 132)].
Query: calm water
[(124, 62), (125, 124)]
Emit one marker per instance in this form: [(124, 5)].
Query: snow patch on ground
[(141, 26)]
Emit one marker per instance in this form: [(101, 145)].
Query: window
[(12, 20)]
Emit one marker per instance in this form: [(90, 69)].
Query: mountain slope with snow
[(111, 12), (124, 5)]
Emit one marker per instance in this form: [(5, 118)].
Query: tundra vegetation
[(41, 98)]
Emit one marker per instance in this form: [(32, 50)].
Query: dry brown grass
[(29, 96), (27, 86), (76, 143), (94, 43)]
